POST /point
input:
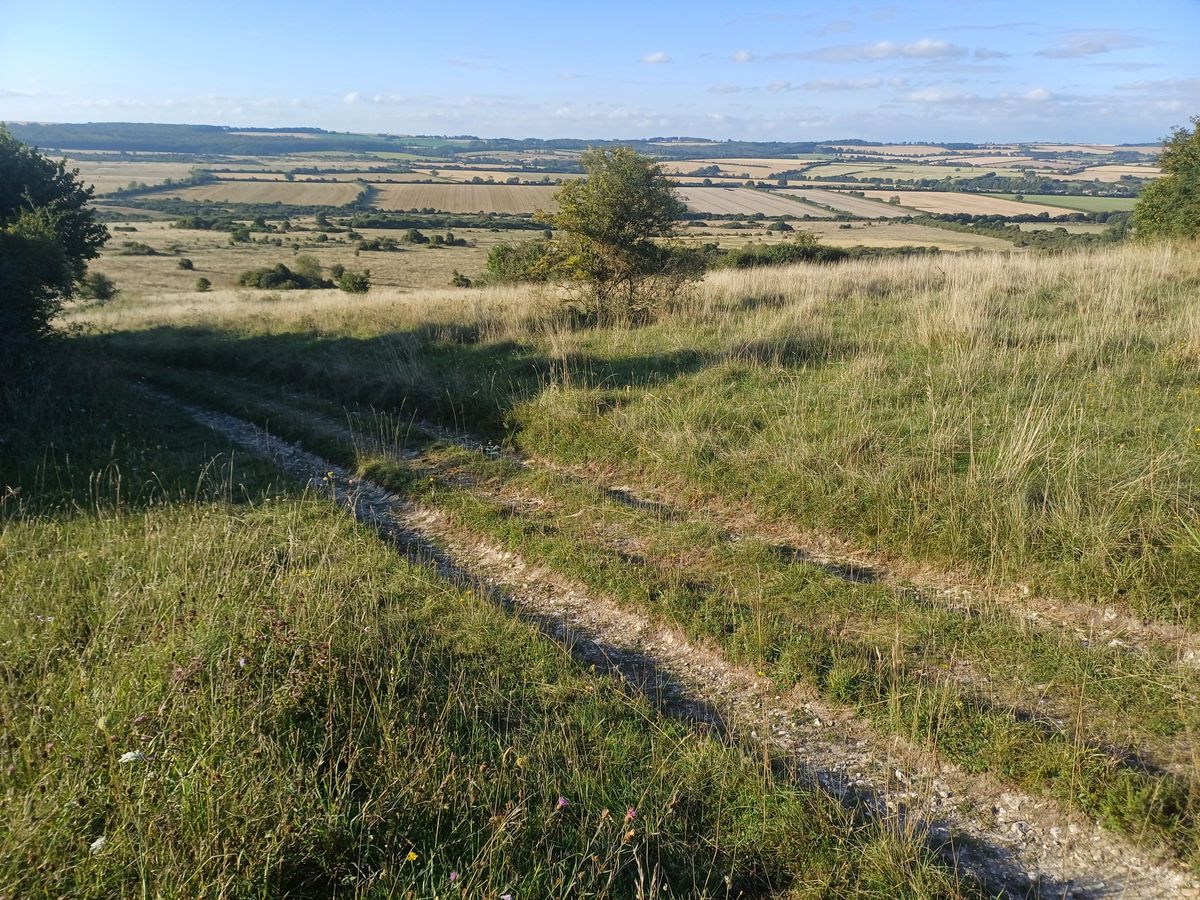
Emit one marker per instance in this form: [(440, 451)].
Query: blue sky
[(969, 70)]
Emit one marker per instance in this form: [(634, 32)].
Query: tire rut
[(1009, 840)]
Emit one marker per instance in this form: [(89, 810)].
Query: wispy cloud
[(926, 48), (658, 58), (742, 56), (1091, 42)]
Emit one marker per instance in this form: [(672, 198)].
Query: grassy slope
[(890, 656), (1032, 420), (315, 714)]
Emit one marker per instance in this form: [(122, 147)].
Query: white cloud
[(352, 97), (725, 89), (926, 48), (657, 58), (742, 57), (1091, 42), (938, 96), (1037, 95)]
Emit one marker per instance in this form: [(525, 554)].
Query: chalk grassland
[(1081, 204), (1023, 426), (297, 192), (217, 685), (873, 233), (109, 176), (465, 198), (267, 175), (745, 201), (954, 202), (411, 267), (858, 206)]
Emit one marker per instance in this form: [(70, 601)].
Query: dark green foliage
[(1170, 206), (524, 261), (136, 248), (803, 248), (459, 280), (186, 264), (355, 282), (203, 285), (47, 234), (97, 286), (413, 236), (279, 277)]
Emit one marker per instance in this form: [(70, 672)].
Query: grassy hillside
[(1030, 421), (214, 683)]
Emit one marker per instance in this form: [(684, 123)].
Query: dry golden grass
[(1113, 173), (214, 258)]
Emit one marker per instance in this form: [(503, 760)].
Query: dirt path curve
[(1013, 842)]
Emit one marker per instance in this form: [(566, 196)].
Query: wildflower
[(630, 814), (98, 844), (132, 756), (412, 856), (453, 877), (241, 662), (506, 897), (562, 803), (629, 834)]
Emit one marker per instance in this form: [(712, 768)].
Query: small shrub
[(186, 264), (355, 282), (97, 286), (459, 280), (203, 285)]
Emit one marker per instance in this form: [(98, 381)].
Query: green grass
[(1028, 421), (1082, 204), (302, 712), (802, 625)]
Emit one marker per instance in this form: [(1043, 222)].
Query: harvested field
[(954, 202), (746, 201), (856, 234), (465, 198), (109, 176), (1113, 173), (296, 193), (858, 206), (744, 168)]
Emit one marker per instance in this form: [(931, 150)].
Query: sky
[(941, 70)]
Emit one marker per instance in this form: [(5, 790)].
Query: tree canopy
[(607, 228), (47, 235), (1170, 206)]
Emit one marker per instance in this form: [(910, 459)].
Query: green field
[(1082, 204)]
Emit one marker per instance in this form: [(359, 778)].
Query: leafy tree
[(1170, 206), (608, 225), (47, 234)]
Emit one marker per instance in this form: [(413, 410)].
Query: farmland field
[(297, 192), (858, 206), (1082, 204), (955, 202), (1113, 173), (465, 198), (745, 201), (109, 176)]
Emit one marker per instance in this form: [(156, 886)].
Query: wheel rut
[(1014, 843)]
